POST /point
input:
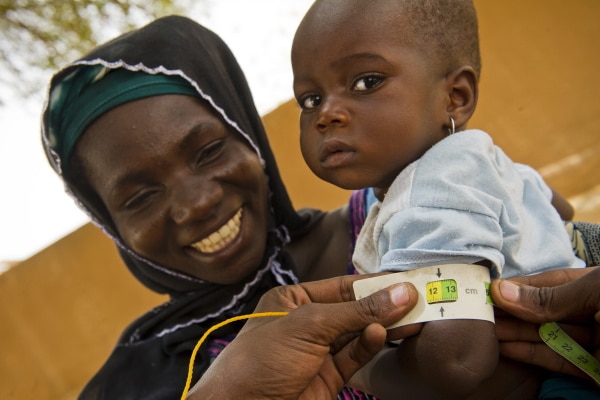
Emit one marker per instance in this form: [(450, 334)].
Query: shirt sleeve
[(424, 236), (459, 192), (531, 177)]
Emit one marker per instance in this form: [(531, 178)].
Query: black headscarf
[(151, 357)]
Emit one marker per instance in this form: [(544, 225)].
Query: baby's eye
[(310, 102), (367, 83)]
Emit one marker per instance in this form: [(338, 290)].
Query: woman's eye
[(139, 200), (209, 152), (367, 83), (310, 102)]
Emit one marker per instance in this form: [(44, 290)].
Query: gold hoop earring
[(452, 128)]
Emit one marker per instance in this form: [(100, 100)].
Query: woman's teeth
[(221, 237)]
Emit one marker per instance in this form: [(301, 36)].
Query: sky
[(35, 211)]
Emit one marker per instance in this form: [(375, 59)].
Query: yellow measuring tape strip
[(455, 291), (188, 381)]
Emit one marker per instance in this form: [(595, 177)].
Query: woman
[(156, 136)]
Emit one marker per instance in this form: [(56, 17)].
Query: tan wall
[(539, 87), (63, 309)]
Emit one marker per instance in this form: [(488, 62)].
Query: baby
[(386, 89)]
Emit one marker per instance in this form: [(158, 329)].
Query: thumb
[(372, 313), (387, 305), (579, 298), (383, 307)]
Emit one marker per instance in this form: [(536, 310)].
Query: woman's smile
[(221, 237)]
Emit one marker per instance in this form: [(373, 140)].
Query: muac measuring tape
[(452, 291), (461, 291)]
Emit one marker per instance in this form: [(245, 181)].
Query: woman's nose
[(194, 199), (332, 112)]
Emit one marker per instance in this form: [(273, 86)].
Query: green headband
[(90, 91)]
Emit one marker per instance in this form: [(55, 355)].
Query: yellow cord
[(211, 330)]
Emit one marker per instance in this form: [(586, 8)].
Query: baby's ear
[(463, 90)]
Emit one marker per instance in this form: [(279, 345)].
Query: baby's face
[(370, 102)]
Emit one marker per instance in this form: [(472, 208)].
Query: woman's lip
[(220, 238)]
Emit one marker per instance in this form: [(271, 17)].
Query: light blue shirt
[(462, 202)]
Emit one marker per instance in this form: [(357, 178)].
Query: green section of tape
[(488, 294), (563, 344)]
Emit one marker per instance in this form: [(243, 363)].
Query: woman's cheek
[(142, 236)]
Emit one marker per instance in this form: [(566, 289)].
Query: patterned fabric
[(585, 239), (216, 346), (358, 209)]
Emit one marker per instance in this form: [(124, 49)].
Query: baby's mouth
[(221, 237)]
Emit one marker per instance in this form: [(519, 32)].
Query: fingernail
[(399, 295), (509, 291)]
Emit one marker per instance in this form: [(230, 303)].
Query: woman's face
[(183, 189)]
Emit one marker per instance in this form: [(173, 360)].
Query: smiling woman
[(156, 136)]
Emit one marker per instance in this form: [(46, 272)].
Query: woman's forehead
[(154, 122)]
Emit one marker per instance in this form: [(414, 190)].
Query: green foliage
[(43, 35)]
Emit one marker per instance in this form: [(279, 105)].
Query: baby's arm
[(449, 359), (562, 206), (510, 380), (446, 360)]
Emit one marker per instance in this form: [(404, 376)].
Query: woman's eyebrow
[(194, 132)]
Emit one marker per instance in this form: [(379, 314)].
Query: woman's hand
[(568, 296), (314, 350)]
